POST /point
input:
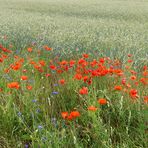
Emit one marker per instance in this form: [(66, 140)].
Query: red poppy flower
[(29, 49), (130, 61), (144, 81), (1, 89), (16, 67), (92, 108), (47, 75), (85, 78), (118, 87), (75, 114), (146, 99), (64, 115), (71, 63), (145, 73), (102, 60), (123, 81), (62, 81), (133, 77), (52, 67), (24, 78), (93, 63), (29, 87), (42, 62), (78, 76), (83, 91), (1, 60), (133, 93), (14, 85), (129, 55), (63, 62), (47, 48), (102, 101), (85, 55)]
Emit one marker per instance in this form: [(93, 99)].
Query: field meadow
[(73, 73)]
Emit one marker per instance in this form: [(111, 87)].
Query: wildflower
[(128, 85), (71, 63), (19, 114), (133, 77), (38, 110), (1, 60), (144, 81), (123, 81), (83, 91), (127, 67), (69, 117), (136, 83), (81, 61), (129, 55), (29, 49), (78, 76), (92, 108), (85, 55), (64, 115), (55, 92), (146, 99), (24, 70), (145, 73), (93, 63), (52, 67), (29, 87), (85, 78), (16, 67), (14, 85), (62, 81), (26, 146), (42, 63), (118, 87), (74, 114), (1, 89), (118, 72), (102, 60), (102, 101), (89, 81), (133, 93), (133, 72), (47, 48), (34, 101), (33, 43), (55, 84), (130, 61), (40, 127), (24, 78), (16, 57), (63, 63), (47, 75), (59, 71), (144, 67)]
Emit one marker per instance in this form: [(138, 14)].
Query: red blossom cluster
[(125, 80)]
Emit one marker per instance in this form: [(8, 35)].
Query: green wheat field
[(74, 73)]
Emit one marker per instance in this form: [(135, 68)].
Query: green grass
[(101, 28), (118, 25)]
